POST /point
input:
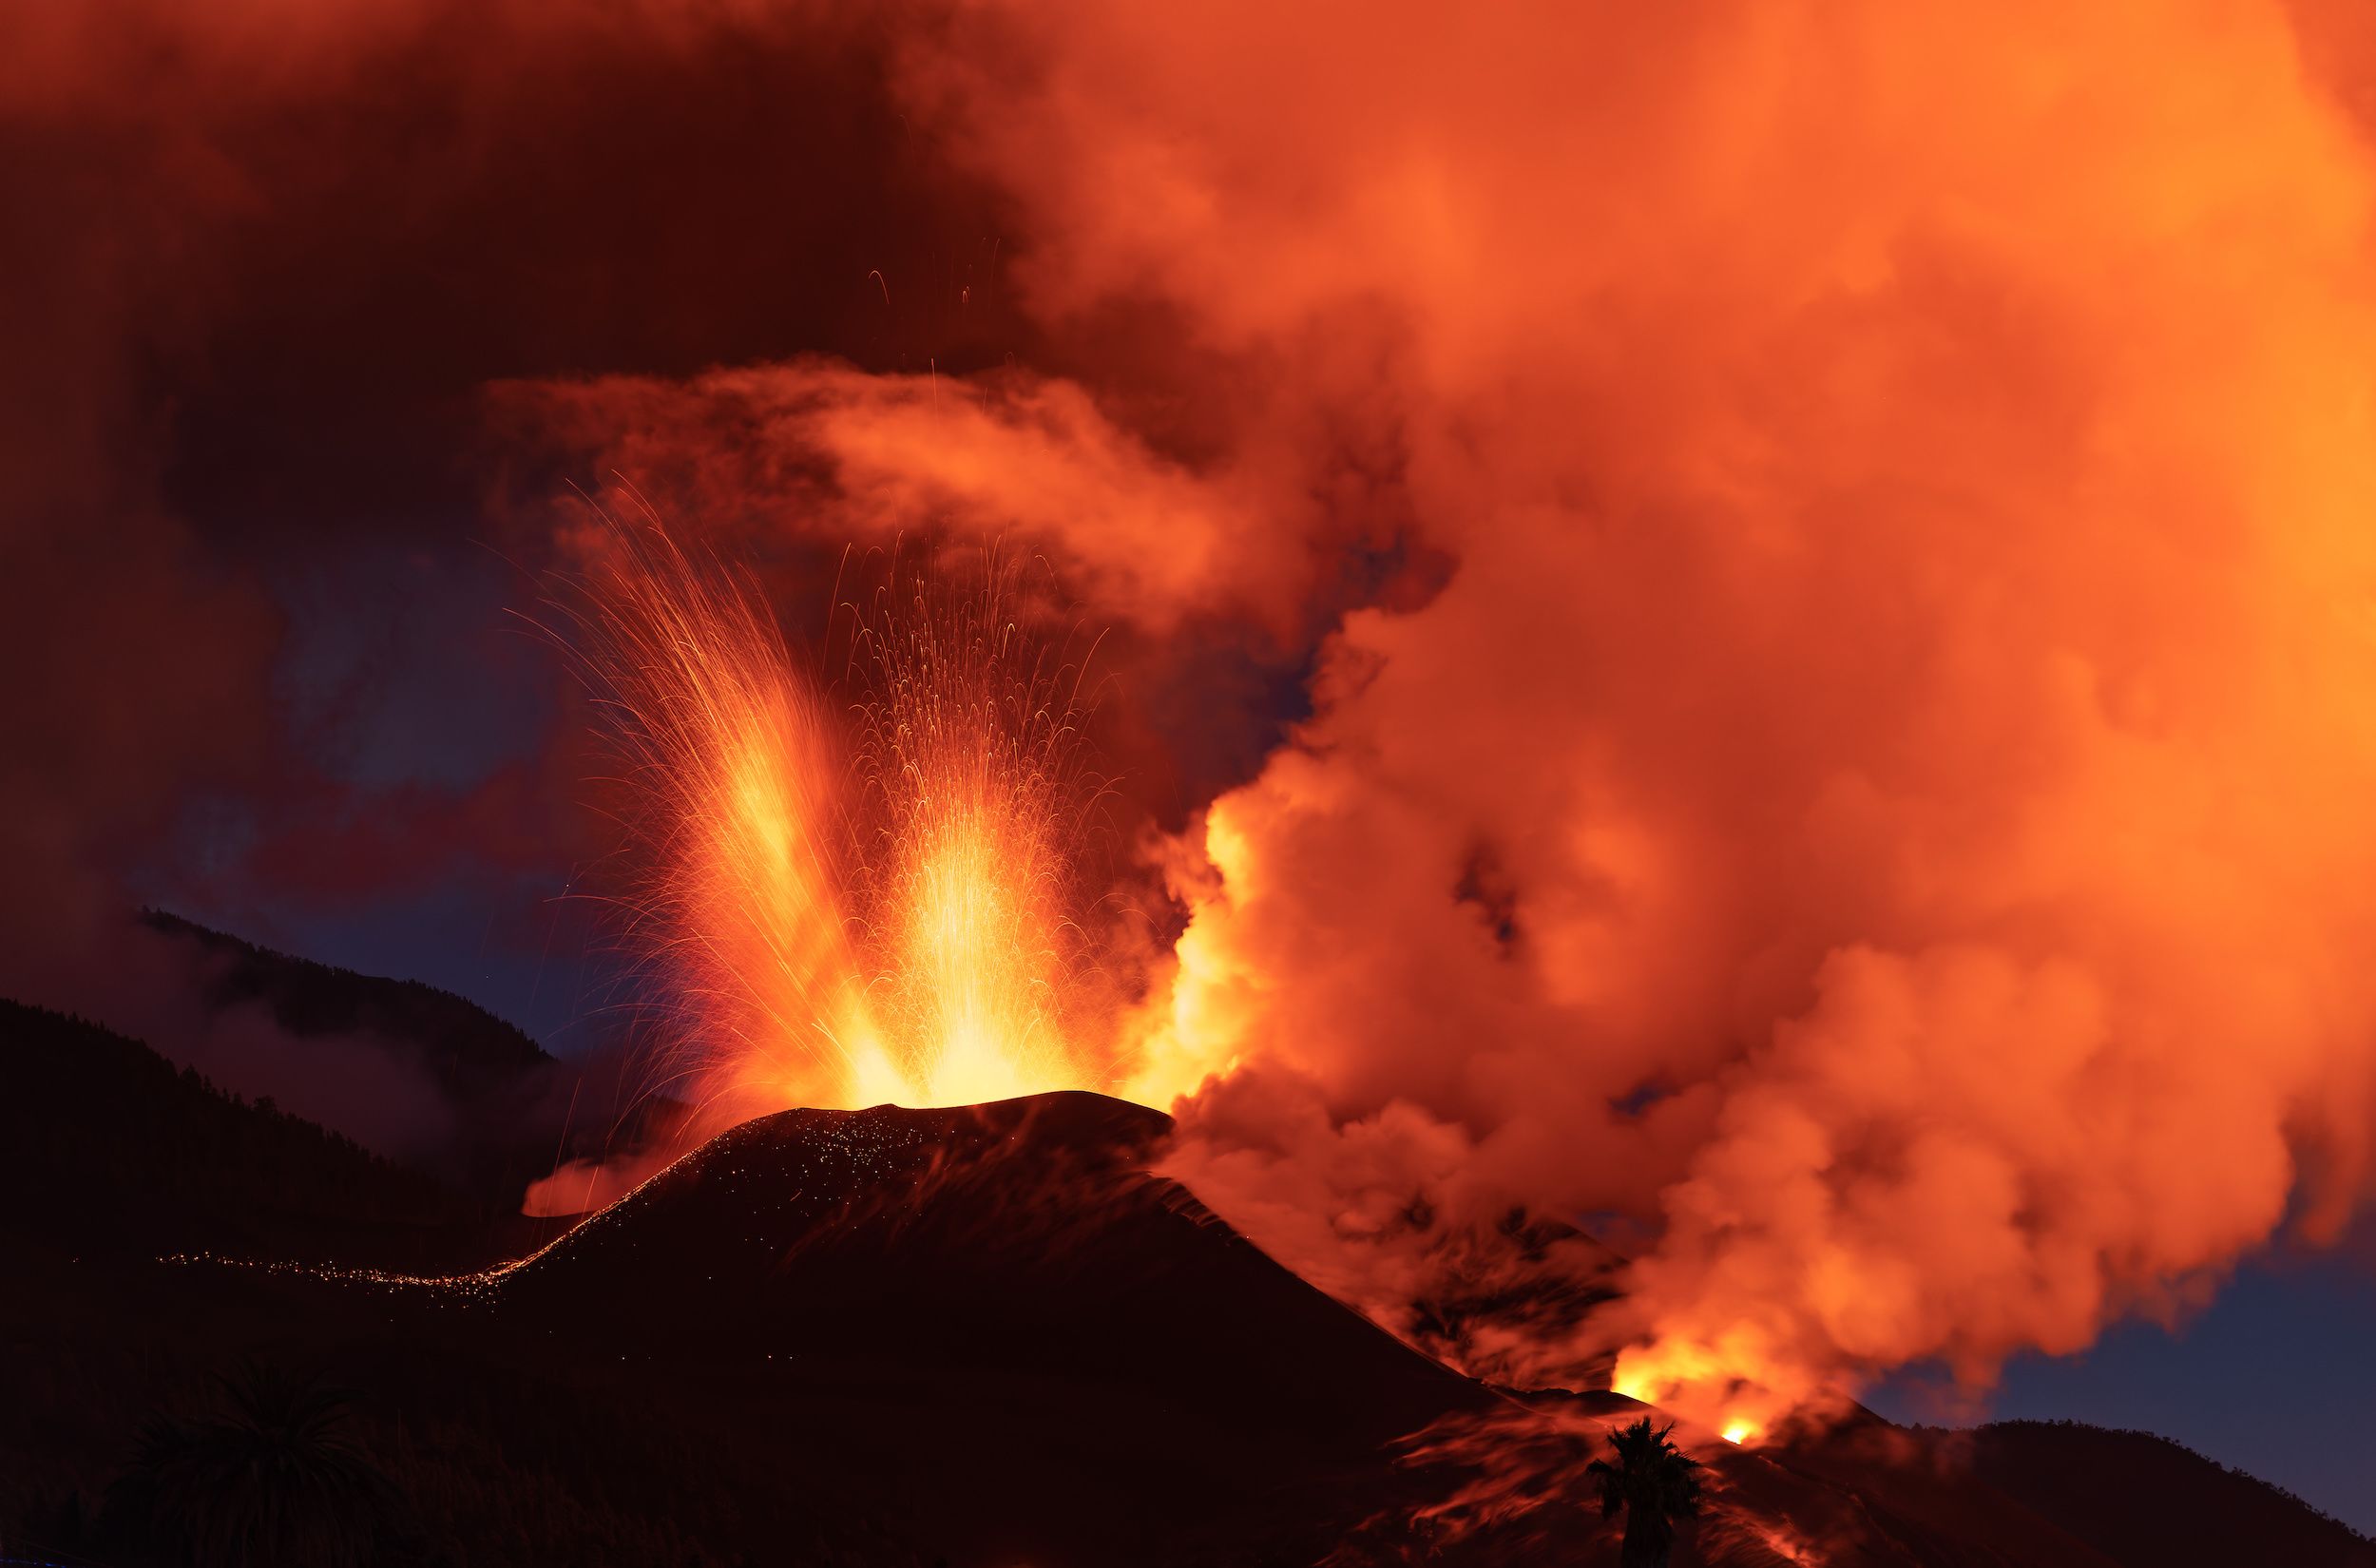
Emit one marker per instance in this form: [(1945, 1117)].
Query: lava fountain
[(974, 798), (846, 905)]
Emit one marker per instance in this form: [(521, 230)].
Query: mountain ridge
[(981, 1334)]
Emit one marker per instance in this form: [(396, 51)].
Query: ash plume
[(1821, 553), (1851, 756)]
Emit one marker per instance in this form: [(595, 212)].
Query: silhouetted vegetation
[(1653, 1483), (2112, 1489), (273, 1473), (511, 1104), (445, 1464), (107, 1147), (463, 1042)]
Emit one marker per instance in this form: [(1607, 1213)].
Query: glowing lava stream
[(846, 913)]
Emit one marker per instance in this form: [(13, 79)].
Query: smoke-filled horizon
[(1818, 555)]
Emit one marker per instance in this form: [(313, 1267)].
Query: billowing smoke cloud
[(1875, 789), (1825, 548), (582, 1186)]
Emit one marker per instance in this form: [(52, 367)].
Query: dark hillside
[(2145, 1500), (1026, 1235), (1078, 1362), (980, 1336), (105, 1148), (512, 1105), (468, 1048)]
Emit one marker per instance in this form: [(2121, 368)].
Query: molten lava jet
[(845, 907)]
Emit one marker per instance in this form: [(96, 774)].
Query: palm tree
[(1654, 1483), (273, 1476)]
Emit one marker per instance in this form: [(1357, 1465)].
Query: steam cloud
[(1876, 788), (1830, 549)]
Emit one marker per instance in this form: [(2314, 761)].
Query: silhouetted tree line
[(504, 1093), (464, 1042), (105, 1143), (2105, 1486), (279, 1468)]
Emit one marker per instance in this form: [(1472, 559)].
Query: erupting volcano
[(854, 905), (1071, 783)]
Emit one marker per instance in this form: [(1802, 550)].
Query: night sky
[(283, 543)]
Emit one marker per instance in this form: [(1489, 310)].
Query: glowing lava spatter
[(734, 805), (846, 910), (973, 798)]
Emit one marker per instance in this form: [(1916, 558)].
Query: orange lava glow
[(844, 913), (1734, 1385), (1855, 763), (967, 760)]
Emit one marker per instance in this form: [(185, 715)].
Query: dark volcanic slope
[(2115, 1491), (1023, 1235), (980, 1336), (1093, 1369), (1069, 1360)]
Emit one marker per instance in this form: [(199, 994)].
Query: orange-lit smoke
[(842, 912), (1879, 794)]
